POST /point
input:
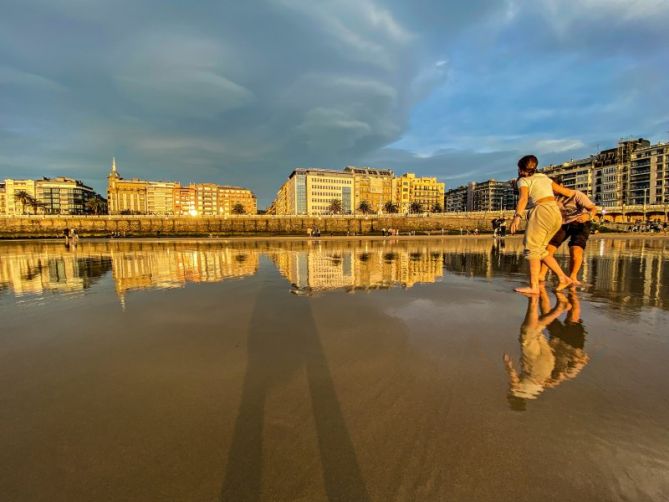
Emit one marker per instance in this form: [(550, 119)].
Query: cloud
[(243, 92)]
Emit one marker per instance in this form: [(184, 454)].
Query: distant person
[(502, 227), (543, 221), (577, 214), (309, 231)]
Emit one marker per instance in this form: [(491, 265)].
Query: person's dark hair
[(528, 165)]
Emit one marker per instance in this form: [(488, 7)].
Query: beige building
[(135, 196), (648, 181), (160, 197), (426, 191), (48, 196), (373, 186), (312, 192), (3, 200), (13, 206)]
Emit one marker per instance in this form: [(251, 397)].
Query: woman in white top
[(543, 221)]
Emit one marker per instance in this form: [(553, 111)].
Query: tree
[(238, 208), (25, 199), (437, 208), (335, 206), (390, 207), (416, 207), (94, 205), (364, 207)]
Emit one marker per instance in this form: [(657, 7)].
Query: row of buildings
[(635, 172), (488, 195), (135, 196), (356, 190), (49, 196)]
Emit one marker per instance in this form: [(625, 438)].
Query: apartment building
[(312, 192), (426, 191), (575, 174), (372, 186), (3, 199), (649, 175), (59, 195), (455, 200), (135, 196), (490, 195)]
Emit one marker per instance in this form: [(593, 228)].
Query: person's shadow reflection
[(283, 339), (546, 362)]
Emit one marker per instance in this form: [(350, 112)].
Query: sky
[(242, 93)]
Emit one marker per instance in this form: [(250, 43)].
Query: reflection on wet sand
[(547, 361), (625, 273), (243, 391)]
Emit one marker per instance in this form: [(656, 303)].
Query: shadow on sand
[(282, 339)]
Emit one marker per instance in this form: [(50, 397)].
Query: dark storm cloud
[(243, 92)]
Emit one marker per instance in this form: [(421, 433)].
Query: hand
[(584, 218), (514, 224)]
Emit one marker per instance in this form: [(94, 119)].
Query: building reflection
[(50, 269), (625, 274), (552, 351), (365, 266)]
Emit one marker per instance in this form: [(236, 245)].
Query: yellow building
[(373, 186), (13, 205), (125, 196), (236, 200), (426, 191), (160, 197), (135, 196), (3, 200), (312, 192)]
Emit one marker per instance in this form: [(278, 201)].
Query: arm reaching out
[(523, 195), (560, 190)]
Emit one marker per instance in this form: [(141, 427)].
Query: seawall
[(157, 226)]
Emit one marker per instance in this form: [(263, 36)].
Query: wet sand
[(341, 370)]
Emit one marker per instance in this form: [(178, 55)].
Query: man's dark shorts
[(577, 233)]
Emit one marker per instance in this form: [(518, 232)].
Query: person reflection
[(547, 362)]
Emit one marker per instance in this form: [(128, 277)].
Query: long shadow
[(282, 339)]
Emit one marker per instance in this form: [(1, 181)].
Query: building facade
[(617, 176), (372, 186), (410, 189), (490, 195), (48, 196), (313, 192), (455, 200), (575, 174), (135, 196), (3, 199), (649, 175)]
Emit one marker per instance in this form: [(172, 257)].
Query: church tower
[(112, 195)]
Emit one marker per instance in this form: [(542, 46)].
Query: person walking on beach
[(543, 221), (577, 214)]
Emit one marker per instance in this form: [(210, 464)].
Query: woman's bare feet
[(564, 283), (575, 282), (527, 291)]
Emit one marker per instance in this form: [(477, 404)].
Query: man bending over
[(577, 214)]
